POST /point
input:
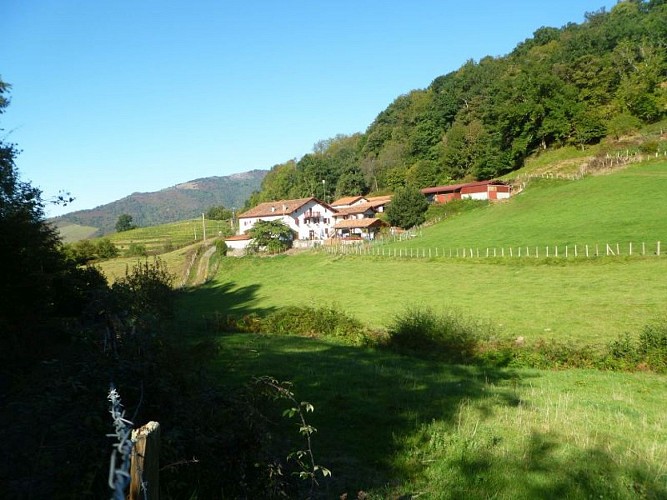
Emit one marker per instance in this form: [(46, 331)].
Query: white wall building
[(309, 218)]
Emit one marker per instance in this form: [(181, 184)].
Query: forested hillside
[(573, 85), (183, 201)]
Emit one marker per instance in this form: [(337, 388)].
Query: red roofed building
[(480, 190)]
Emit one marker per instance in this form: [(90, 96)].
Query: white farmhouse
[(309, 218)]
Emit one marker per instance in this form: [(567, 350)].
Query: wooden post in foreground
[(146, 462)]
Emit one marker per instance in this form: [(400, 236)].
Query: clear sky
[(114, 97)]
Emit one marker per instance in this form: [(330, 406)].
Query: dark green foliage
[(327, 322), (270, 236), (146, 291), (648, 351), (85, 251), (136, 250), (124, 223), (221, 247), (219, 212), (422, 332), (407, 208), (40, 287)]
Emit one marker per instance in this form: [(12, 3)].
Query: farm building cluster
[(351, 218)]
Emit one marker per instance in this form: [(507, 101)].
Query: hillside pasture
[(623, 207), (166, 237)]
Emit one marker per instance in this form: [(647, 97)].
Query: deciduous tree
[(407, 208)]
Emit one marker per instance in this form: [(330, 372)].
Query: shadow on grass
[(547, 469), (227, 298), (372, 409)]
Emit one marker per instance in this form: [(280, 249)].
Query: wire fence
[(573, 251)]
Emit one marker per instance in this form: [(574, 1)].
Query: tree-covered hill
[(568, 86), (183, 201)]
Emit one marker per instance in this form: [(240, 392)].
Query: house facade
[(309, 218)]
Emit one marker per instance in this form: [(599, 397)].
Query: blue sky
[(114, 97)]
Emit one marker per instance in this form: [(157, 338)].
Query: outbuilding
[(480, 190)]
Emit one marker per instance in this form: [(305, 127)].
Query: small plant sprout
[(305, 460)]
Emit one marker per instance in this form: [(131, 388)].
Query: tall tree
[(407, 208), (124, 223)]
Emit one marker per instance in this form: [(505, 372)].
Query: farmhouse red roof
[(347, 200), (355, 209), (279, 207)]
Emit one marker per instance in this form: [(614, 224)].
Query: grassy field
[(75, 232), (590, 301), (397, 427)]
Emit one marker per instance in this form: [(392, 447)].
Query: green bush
[(221, 247), (647, 352), (145, 293), (136, 250), (422, 332), (327, 321)]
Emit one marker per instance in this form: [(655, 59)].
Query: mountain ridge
[(182, 201)]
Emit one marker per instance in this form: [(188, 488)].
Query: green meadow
[(396, 426), (588, 301)]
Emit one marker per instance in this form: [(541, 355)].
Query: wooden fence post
[(657, 251), (145, 468)]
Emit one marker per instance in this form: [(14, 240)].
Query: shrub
[(221, 247), (145, 294), (445, 336), (327, 321), (136, 250), (648, 351)]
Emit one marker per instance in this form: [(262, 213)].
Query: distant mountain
[(183, 201)]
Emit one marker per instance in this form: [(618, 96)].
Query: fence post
[(575, 251), (657, 251), (643, 248), (631, 248), (586, 250), (145, 468)]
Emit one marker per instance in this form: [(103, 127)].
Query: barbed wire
[(119, 467)]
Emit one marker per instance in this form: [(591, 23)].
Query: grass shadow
[(378, 416), (207, 300), (367, 403)]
